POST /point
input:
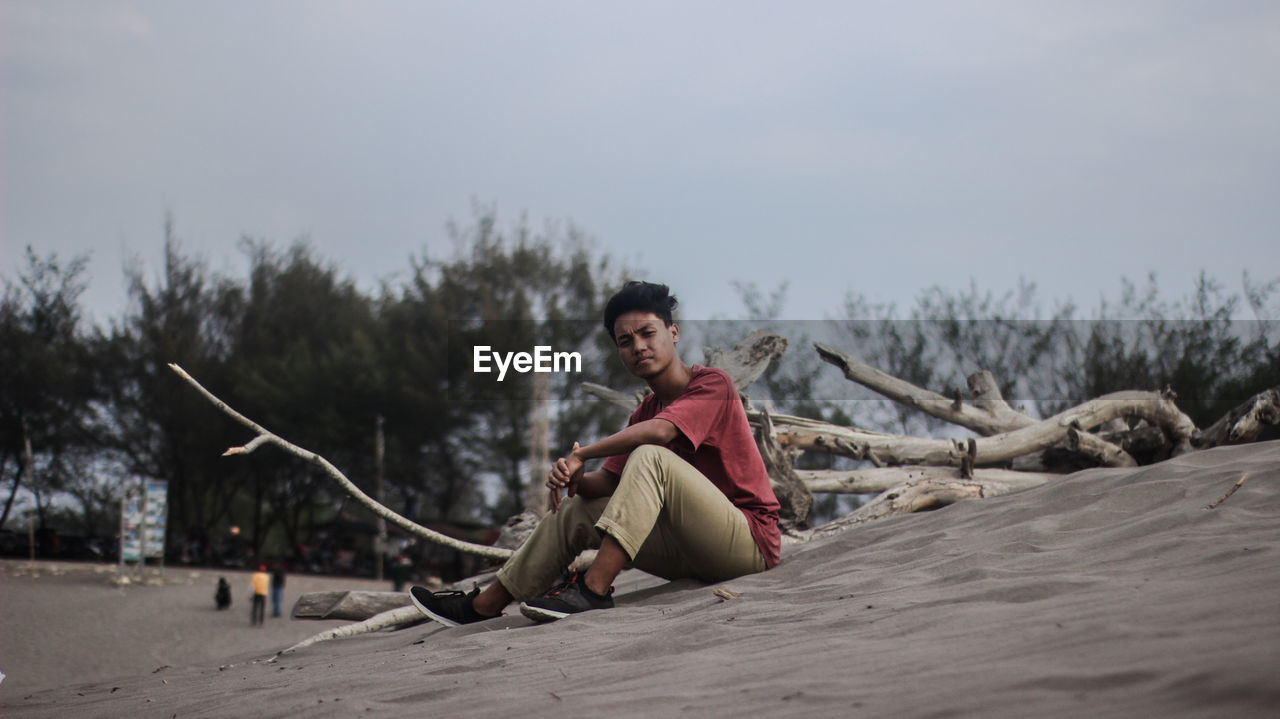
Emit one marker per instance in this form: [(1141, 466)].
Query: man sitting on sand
[(683, 493)]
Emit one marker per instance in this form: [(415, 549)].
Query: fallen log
[(1097, 449), (873, 480), (398, 618), (1244, 422), (988, 415), (354, 605), (920, 495), (889, 449)]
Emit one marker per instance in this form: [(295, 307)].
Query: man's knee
[(650, 454), (576, 512)]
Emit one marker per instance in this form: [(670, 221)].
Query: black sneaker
[(449, 608), (569, 598)]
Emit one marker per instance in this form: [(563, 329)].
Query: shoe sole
[(422, 608), (538, 614)]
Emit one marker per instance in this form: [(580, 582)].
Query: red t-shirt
[(716, 439)]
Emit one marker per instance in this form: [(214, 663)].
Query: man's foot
[(569, 598), (449, 608)]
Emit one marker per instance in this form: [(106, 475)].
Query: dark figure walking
[(222, 596), (401, 567), (277, 589)]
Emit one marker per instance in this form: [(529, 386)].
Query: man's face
[(646, 345)]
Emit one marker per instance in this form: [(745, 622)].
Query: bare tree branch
[(266, 437)]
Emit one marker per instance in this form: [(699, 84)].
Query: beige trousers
[(669, 518)]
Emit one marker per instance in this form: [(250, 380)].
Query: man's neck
[(670, 384)]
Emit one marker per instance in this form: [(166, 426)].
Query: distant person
[(277, 589), (400, 569), (222, 595), (261, 582)]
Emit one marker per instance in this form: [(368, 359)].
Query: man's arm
[(567, 471), (650, 431)]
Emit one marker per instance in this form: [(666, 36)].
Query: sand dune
[(1109, 593)]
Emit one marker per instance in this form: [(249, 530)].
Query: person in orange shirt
[(261, 582)]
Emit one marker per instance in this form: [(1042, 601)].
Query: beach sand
[(1108, 593)]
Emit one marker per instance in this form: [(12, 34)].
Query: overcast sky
[(873, 147)]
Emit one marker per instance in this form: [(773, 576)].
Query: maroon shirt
[(716, 439)]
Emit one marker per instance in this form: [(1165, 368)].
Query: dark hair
[(642, 296)]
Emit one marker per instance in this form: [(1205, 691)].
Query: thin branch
[(402, 617), (1230, 492), (265, 437)]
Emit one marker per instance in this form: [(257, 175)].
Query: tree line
[(86, 411)]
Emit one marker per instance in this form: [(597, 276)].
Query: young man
[(683, 493)]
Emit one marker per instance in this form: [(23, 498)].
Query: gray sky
[(875, 147)]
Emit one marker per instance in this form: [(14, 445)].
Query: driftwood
[(992, 416), (873, 480), (891, 449), (1223, 498), (354, 605), (1243, 423), (265, 437), (1127, 425), (988, 414), (395, 618), (747, 360), (793, 495), (920, 495)]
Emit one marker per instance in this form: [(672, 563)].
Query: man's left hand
[(565, 474)]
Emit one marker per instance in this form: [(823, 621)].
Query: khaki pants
[(668, 517)]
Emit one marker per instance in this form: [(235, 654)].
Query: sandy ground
[(1109, 593), (64, 623)]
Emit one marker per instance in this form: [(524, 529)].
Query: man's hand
[(565, 474)]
